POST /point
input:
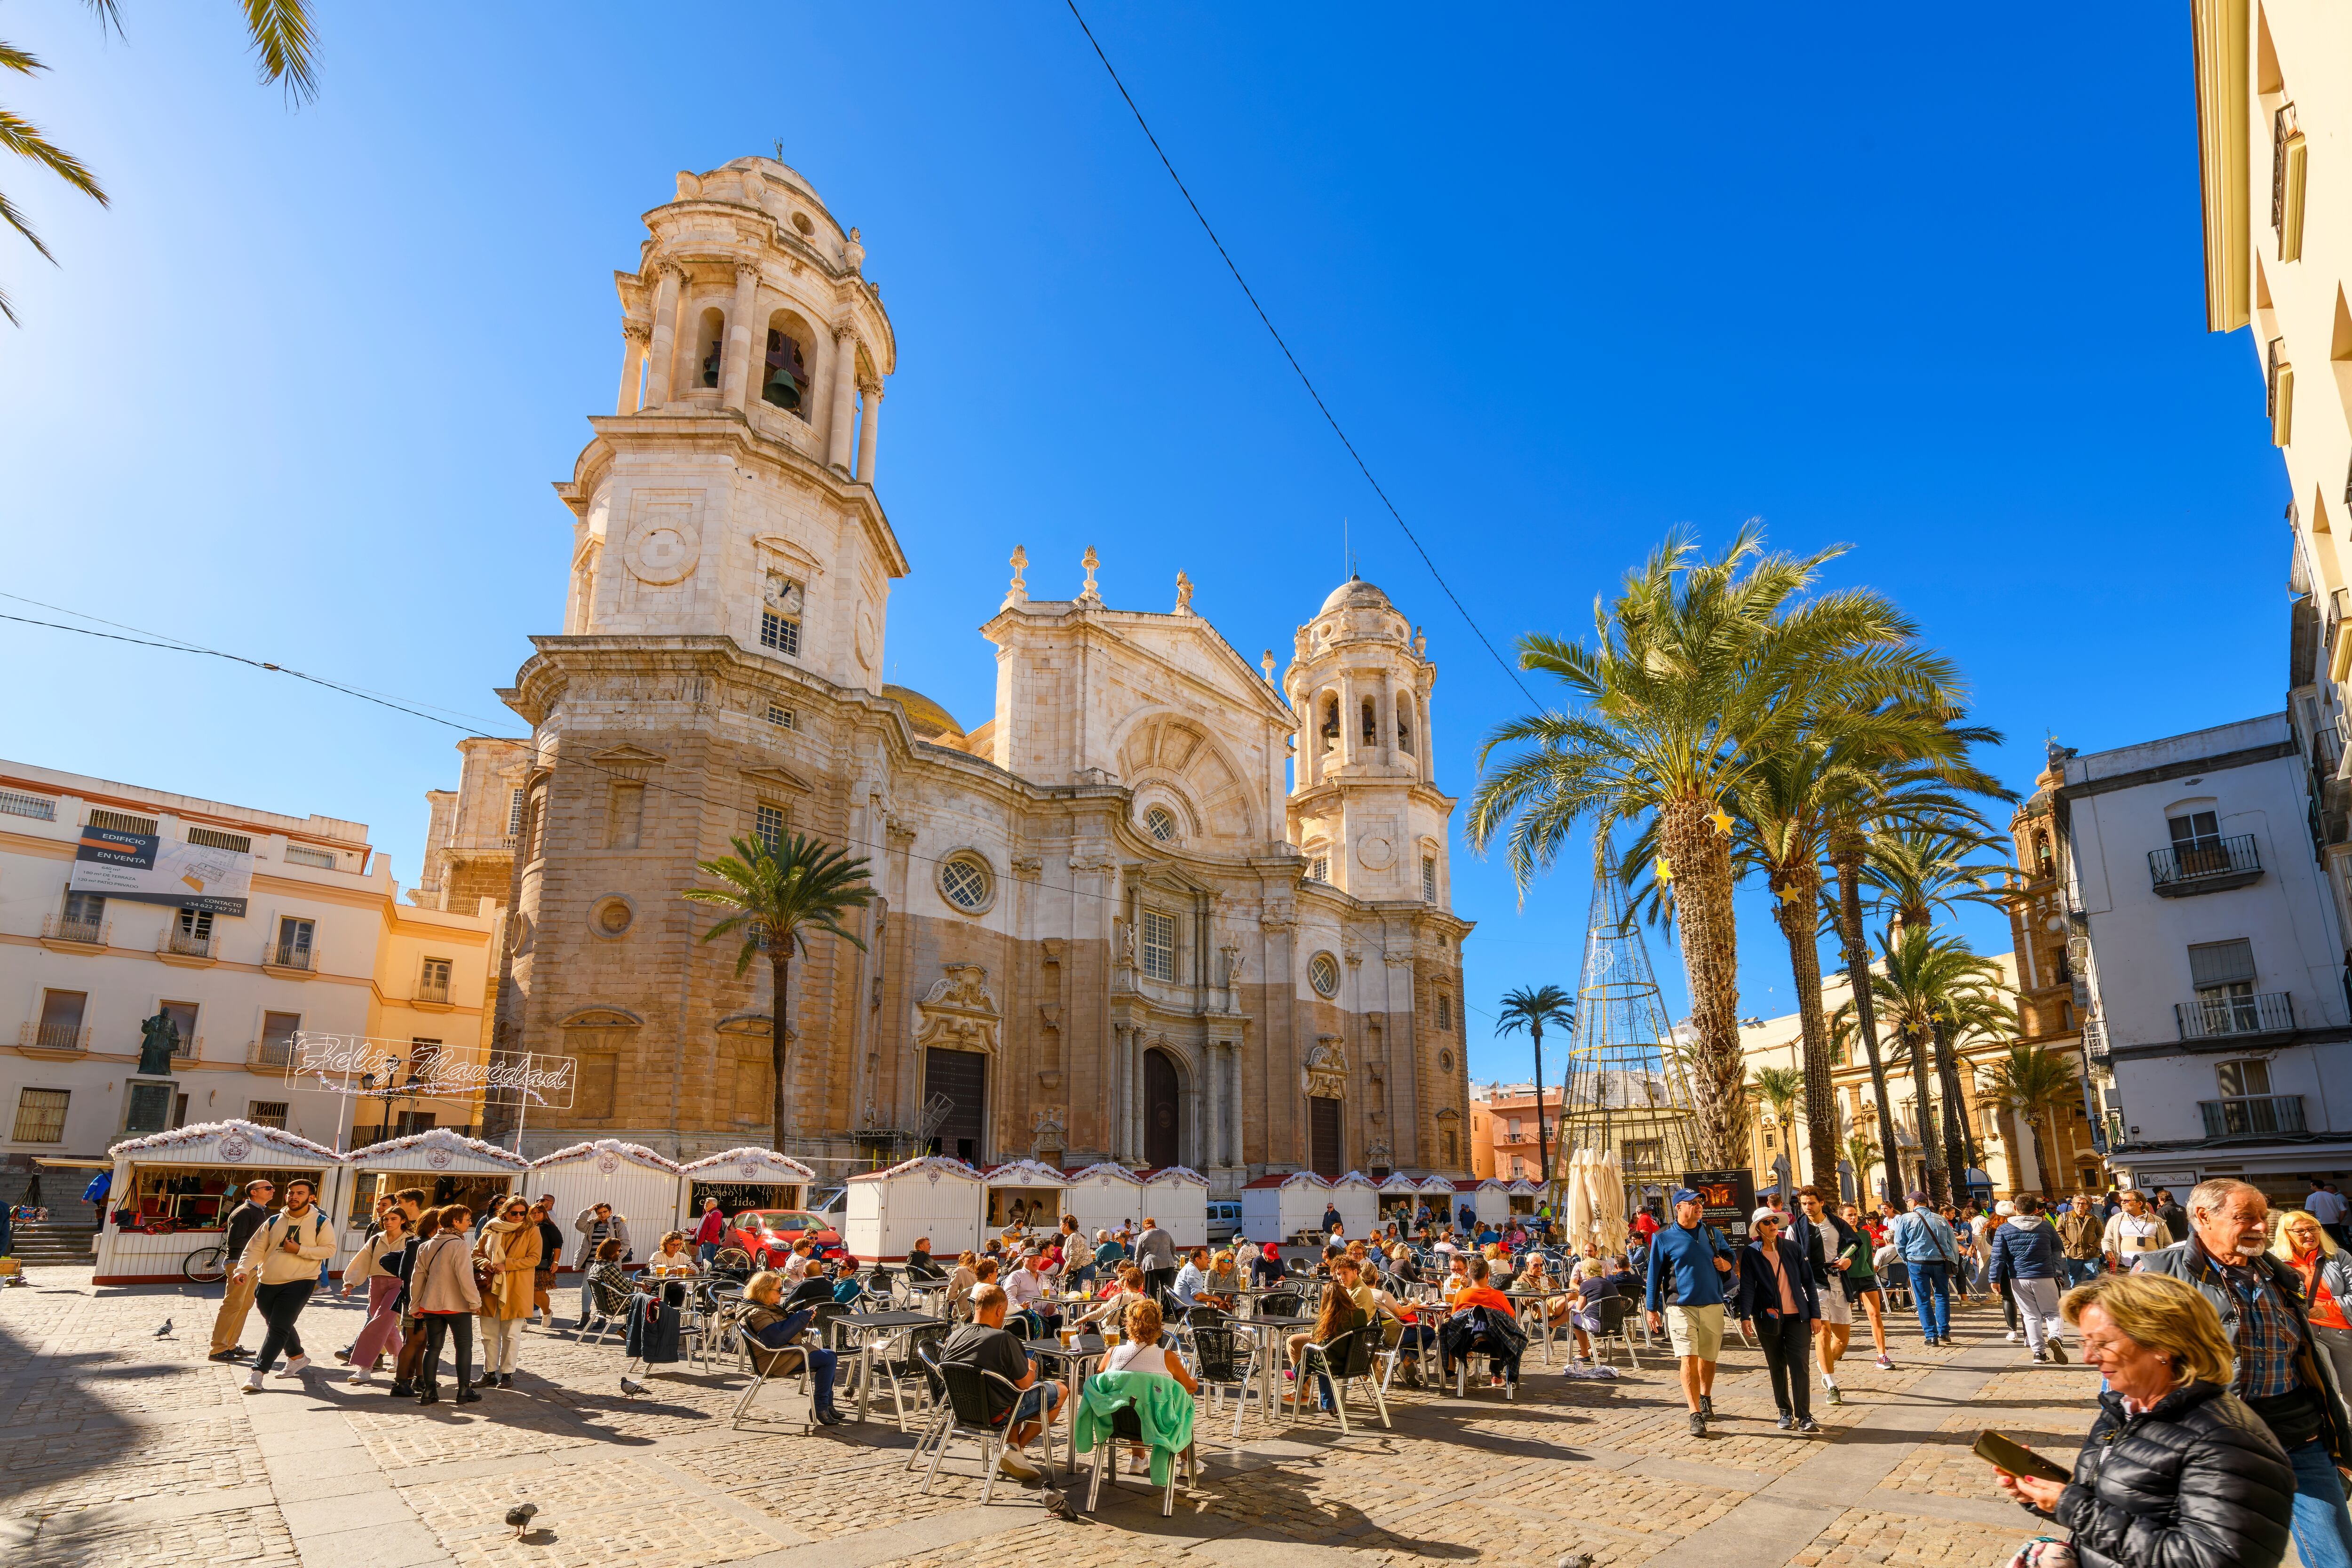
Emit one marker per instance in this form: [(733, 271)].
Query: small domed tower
[(731, 492), (1365, 810)]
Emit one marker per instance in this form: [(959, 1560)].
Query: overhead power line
[(1303, 380)]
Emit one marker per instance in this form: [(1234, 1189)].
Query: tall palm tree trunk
[(1931, 1152), (1799, 892), (779, 963), (1959, 1147), (1701, 859), (1543, 1148), (1845, 858)]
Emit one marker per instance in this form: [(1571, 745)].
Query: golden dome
[(928, 719)]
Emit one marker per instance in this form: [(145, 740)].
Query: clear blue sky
[(1920, 283)]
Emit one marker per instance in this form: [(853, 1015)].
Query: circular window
[(1323, 971), (1161, 824), (964, 882), (801, 221), (613, 916), (1445, 1061)]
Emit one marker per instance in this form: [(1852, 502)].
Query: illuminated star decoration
[(1665, 872), (1722, 820)]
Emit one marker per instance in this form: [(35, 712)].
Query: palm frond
[(283, 39)]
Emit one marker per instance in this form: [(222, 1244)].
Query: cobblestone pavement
[(119, 1445)]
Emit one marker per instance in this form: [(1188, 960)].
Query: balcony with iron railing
[(2233, 1017), (270, 1053), (2253, 1116), (71, 932), (433, 993), (288, 957), (37, 1037), (176, 942), (2095, 1040), (2204, 865)]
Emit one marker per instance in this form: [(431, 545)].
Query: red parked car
[(767, 1235)]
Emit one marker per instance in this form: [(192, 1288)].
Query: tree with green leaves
[(1780, 1089), (1698, 670), (1861, 1151), (777, 896), (2038, 1085), (1934, 991), (1532, 1009), (281, 34)]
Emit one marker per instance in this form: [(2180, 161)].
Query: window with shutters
[(32, 805), (267, 1113), (2237, 1078), (2220, 966), (1158, 945), (41, 1116), (121, 822), (303, 855), (433, 980), (212, 838), (294, 942)]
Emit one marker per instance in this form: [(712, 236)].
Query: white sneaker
[(1019, 1469), (253, 1383), (359, 1378), (2011, 1336), (295, 1367)]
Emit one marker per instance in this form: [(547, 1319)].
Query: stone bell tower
[(1365, 810)]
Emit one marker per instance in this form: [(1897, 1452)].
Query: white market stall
[(740, 1179), (1489, 1200), (1275, 1208), (1106, 1197), (1438, 1192), (1523, 1196), (1400, 1197), (640, 1185), (886, 1212), (173, 1192), (1021, 1195), (1358, 1198), (1178, 1197), (446, 1165)]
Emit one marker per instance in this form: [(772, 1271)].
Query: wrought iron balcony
[(267, 1053), (2225, 1018), (186, 943), (432, 991), (53, 1036), (2095, 1040), (286, 955), (2253, 1115), (2204, 865), (89, 933)]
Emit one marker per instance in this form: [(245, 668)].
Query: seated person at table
[(1144, 1350), (1536, 1278), (815, 1290), (774, 1334), (1223, 1284), (802, 1258), (960, 1283), (1478, 1292), (1193, 1279), (918, 1260), (1402, 1266), (846, 1286), (983, 1343), (1593, 1286), (1265, 1269), (1343, 1308), (673, 1261), (1112, 1311), (1029, 1291), (1411, 1331), (1456, 1280), (609, 1283)]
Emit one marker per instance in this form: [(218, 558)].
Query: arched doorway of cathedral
[(1163, 1109)]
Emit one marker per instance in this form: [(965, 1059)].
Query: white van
[(1224, 1223)]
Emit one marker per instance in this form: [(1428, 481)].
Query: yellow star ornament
[(1722, 820), (1665, 872)]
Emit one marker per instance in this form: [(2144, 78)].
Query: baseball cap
[(1686, 1196)]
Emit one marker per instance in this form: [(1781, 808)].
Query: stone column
[(632, 367), (662, 351), (844, 388), (1212, 1101), (735, 371), (1350, 720), (865, 429), (1121, 1092)]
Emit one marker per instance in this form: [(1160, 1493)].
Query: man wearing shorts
[(1821, 1240), (1861, 1289), (1687, 1262)]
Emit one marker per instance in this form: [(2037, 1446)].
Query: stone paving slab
[(118, 1446)]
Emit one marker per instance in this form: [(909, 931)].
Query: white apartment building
[(2212, 956), (323, 944)]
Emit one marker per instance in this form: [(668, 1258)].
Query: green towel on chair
[(1163, 1410)]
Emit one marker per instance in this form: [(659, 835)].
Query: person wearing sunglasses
[(507, 1253)]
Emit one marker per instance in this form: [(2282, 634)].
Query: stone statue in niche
[(158, 1039), (1325, 1074)]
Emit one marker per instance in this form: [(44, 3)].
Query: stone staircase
[(65, 1237)]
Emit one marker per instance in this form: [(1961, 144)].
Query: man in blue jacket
[(2027, 1255), (1687, 1263), (1930, 1252)]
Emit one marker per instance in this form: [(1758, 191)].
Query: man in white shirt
[(2327, 1206), (1026, 1289), (2135, 1229)]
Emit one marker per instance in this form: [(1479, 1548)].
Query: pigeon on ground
[(519, 1517), (165, 1331), (630, 1386), (1059, 1507), (1577, 1560)]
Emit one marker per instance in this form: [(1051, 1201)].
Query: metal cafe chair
[(1126, 1428), (1346, 1359), (967, 1416)]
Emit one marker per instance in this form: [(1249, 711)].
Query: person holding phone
[(2177, 1468)]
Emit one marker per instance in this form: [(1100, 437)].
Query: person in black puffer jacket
[(2177, 1471)]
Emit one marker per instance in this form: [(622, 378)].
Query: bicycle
[(206, 1265)]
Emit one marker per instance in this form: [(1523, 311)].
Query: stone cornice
[(1095, 620)]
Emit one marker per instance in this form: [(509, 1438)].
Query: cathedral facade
[(1162, 906)]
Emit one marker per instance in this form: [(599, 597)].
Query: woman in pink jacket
[(378, 1266)]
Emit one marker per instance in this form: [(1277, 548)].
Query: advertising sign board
[(1728, 1196), (144, 869)]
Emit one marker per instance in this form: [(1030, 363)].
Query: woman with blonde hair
[(2325, 1269), (507, 1248), (673, 1261), (2177, 1470), (1142, 1350)]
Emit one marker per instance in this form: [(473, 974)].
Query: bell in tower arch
[(711, 366), (785, 378)]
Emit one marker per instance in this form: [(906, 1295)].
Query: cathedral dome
[(1355, 591), (928, 719)]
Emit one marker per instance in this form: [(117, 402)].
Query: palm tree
[(1915, 868), (1861, 1149), (280, 30), (2038, 1085), (777, 896), (1780, 1089), (1532, 1010), (1935, 990), (1699, 669)]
